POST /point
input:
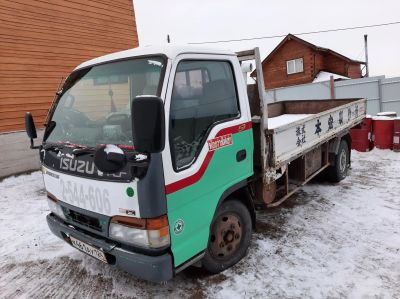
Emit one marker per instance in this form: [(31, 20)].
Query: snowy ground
[(329, 241)]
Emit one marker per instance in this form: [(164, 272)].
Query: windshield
[(94, 107)]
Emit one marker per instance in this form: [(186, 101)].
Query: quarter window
[(294, 66), (204, 93)]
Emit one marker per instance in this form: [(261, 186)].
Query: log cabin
[(295, 61)]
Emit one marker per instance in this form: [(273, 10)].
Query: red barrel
[(360, 139), (396, 134), (367, 123), (383, 128)]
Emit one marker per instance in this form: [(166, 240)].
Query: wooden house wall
[(44, 40)]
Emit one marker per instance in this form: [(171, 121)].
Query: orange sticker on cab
[(218, 142)]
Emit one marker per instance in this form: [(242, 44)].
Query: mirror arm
[(116, 157), (139, 164), (34, 146)]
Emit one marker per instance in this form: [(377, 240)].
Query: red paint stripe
[(194, 178)]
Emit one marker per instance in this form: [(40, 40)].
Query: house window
[(294, 66)]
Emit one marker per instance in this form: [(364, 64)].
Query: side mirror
[(30, 128), (148, 124)]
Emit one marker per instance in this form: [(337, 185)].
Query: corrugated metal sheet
[(382, 94)]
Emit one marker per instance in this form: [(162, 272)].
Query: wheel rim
[(226, 236), (343, 161)]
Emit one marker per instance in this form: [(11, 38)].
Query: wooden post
[(332, 88)]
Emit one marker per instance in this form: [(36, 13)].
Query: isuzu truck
[(156, 158)]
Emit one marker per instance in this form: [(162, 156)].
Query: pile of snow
[(387, 113), (328, 241), (326, 76), (284, 119)]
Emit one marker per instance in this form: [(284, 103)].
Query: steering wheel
[(122, 120), (74, 116)]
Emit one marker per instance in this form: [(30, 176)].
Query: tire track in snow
[(335, 241), (57, 278)]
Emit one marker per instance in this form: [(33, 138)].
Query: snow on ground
[(328, 241)]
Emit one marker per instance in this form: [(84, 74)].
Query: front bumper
[(152, 268)]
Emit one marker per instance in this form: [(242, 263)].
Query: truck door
[(209, 148)]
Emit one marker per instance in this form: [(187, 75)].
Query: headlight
[(153, 233), (55, 207)]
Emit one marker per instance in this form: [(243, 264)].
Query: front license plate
[(90, 250)]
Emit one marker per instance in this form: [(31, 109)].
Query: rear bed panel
[(296, 138)]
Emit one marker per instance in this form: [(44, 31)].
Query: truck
[(157, 158)]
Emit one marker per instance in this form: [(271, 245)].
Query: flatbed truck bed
[(295, 140)]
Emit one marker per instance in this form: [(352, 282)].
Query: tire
[(230, 235), (338, 172)]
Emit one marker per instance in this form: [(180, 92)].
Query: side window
[(204, 93)]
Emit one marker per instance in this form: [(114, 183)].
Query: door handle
[(241, 155)]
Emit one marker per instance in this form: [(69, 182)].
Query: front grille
[(85, 220)]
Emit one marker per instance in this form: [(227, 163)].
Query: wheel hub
[(225, 236)]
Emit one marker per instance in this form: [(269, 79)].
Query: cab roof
[(171, 51)]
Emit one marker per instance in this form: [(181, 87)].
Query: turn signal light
[(142, 223), (151, 232)]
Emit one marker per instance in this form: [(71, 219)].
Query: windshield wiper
[(83, 151), (53, 147)]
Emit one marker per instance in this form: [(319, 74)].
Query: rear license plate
[(88, 249)]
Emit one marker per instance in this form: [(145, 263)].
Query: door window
[(204, 93)]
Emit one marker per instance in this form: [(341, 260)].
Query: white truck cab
[(154, 158)]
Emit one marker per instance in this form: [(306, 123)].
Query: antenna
[(168, 39)]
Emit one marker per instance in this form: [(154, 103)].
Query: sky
[(189, 21)]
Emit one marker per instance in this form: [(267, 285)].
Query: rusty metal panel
[(313, 161)]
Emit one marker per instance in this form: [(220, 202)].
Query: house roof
[(310, 45)]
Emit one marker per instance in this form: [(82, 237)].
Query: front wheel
[(230, 236)]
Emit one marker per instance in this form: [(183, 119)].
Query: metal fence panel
[(361, 88), (390, 89), (319, 90), (381, 94)]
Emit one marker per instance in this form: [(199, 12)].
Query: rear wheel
[(339, 171), (230, 235)]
